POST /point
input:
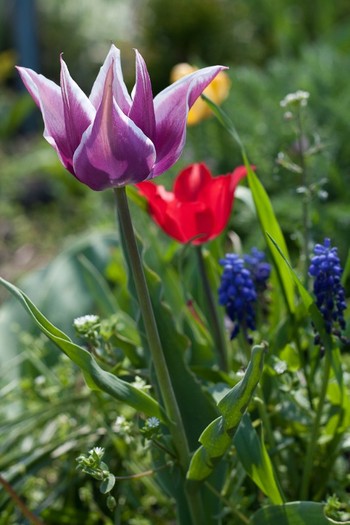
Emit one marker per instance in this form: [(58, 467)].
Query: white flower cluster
[(298, 98), (85, 321)]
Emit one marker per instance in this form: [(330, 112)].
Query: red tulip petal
[(190, 182)]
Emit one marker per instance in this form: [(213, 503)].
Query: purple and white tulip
[(112, 138)]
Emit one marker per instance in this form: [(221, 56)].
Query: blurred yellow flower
[(217, 91), (7, 64)]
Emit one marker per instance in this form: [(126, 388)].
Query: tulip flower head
[(112, 138), (217, 91), (198, 208)]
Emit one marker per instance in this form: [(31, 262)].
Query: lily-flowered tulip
[(198, 208), (217, 91), (112, 138)]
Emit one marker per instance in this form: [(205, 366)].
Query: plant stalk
[(218, 333), (306, 199), (158, 359), (312, 445), (20, 503)]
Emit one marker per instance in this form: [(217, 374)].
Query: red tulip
[(198, 208)]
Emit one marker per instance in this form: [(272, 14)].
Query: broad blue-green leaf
[(95, 376), (296, 513), (253, 455), (217, 436)]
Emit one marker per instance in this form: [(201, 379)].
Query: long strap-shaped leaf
[(263, 206), (95, 376), (217, 437)]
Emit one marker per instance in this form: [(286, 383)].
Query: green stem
[(20, 503), (312, 445), (218, 333), (227, 502), (158, 359), (306, 200)]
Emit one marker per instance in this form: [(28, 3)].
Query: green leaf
[(270, 226), (196, 407), (306, 297), (98, 287), (253, 455), (217, 436), (107, 484), (266, 215), (95, 376), (295, 513)]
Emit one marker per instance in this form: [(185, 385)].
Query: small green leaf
[(295, 513), (217, 436), (253, 455), (107, 484), (95, 376)]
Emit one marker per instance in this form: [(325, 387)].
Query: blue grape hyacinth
[(259, 268), (326, 270), (242, 287)]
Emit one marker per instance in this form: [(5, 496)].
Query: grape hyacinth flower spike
[(260, 269), (111, 138), (237, 293), (326, 270), (242, 289)]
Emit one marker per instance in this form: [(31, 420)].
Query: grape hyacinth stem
[(219, 336)]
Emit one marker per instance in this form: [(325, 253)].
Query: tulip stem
[(176, 426), (218, 333)]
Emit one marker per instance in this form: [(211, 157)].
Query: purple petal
[(48, 96), (79, 113), (120, 92), (171, 109), (113, 151), (142, 110)]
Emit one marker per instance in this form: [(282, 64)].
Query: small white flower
[(85, 320), (298, 98), (153, 422), (97, 451)]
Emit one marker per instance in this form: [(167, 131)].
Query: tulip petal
[(113, 151), (48, 97), (193, 220), (120, 93), (183, 221), (218, 195), (78, 110), (191, 181), (171, 109), (159, 199), (142, 109)]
